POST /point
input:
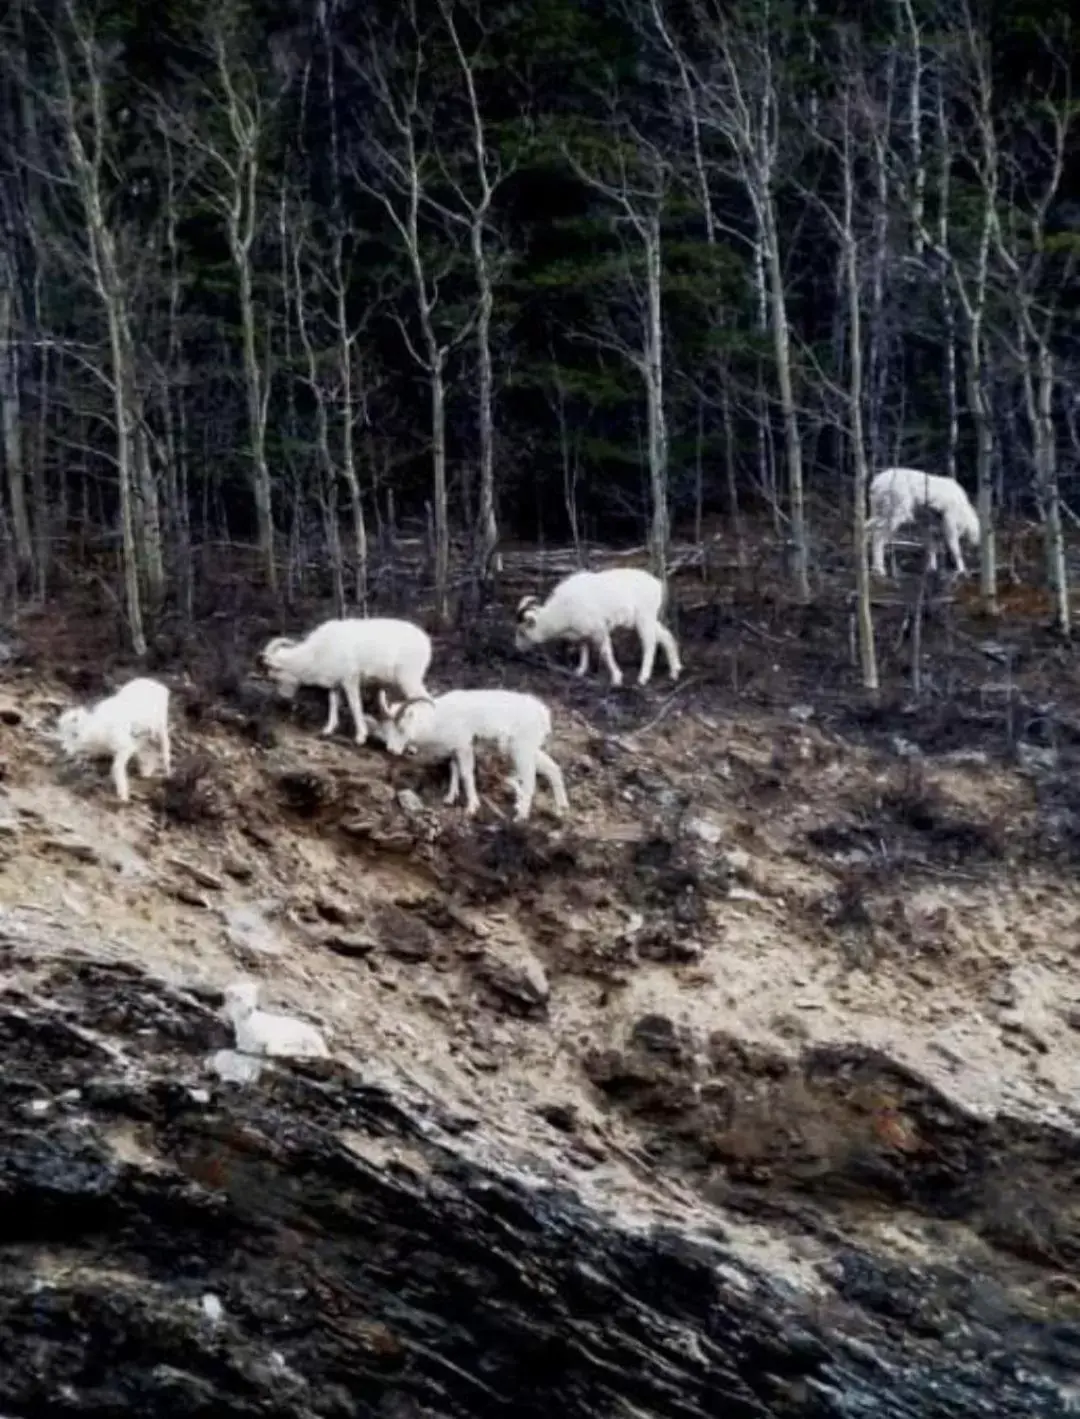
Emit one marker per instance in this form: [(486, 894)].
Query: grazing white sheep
[(450, 726), (132, 724), (338, 655), (588, 606), (259, 1032), (896, 497)]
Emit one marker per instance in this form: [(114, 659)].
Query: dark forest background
[(295, 283)]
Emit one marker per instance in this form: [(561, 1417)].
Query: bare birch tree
[(226, 123), (970, 270), (740, 103), (1021, 243), (107, 254), (11, 401), (351, 405), (633, 177), (855, 136), (488, 173), (394, 171)]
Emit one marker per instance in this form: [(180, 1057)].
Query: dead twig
[(626, 739)]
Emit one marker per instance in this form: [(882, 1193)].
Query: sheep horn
[(415, 700)]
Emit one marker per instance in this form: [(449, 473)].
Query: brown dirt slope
[(794, 970)]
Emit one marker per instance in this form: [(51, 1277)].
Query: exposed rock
[(516, 977), (656, 1034), (410, 802), (353, 944), (210, 880), (190, 897), (73, 847), (332, 909), (1002, 992), (401, 934), (360, 1260), (707, 829)]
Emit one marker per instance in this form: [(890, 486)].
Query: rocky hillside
[(752, 1089)]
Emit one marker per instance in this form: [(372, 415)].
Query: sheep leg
[(877, 542), (583, 659), (647, 632), (466, 762), (119, 772), (356, 708), (332, 719), (455, 784), (525, 785), (670, 648), (607, 658), (552, 775), (165, 743), (952, 539)]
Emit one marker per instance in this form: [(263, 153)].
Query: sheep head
[(399, 721), (271, 661), (69, 728), (528, 609), (240, 1000)]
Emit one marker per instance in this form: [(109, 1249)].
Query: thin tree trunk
[(867, 651), (11, 422), (440, 511), (348, 428), (487, 523), (254, 398), (792, 437), (660, 530), (948, 309)]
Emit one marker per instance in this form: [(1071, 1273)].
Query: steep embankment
[(808, 1005)]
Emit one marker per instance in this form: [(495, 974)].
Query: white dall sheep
[(897, 495), (588, 606), (339, 655), (450, 726), (132, 724), (259, 1032)]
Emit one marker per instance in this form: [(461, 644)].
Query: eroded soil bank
[(752, 1089), (311, 1245)]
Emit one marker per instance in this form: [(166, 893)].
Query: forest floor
[(798, 967)]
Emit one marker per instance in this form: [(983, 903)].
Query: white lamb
[(588, 606), (450, 726), (132, 724), (896, 497), (259, 1032), (338, 655)]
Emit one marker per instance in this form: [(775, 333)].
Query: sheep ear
[(525, 605)]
